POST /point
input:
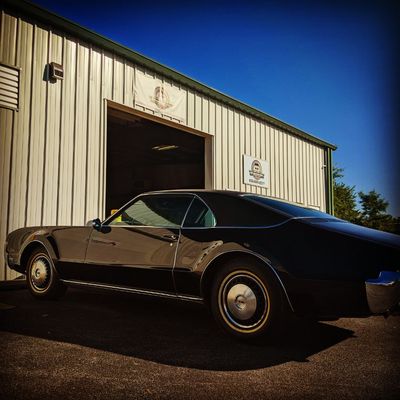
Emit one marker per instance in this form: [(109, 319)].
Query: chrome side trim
[(263, 259), (132, 290)]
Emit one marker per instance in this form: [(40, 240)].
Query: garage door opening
[(143, 155)]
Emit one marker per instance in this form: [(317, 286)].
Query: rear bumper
[(383, 293)]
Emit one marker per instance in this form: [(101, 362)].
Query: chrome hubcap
[(40, 273), (241, 301), (244, 301)]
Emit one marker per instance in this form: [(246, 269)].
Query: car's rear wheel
[(246, 300), (43, 281)]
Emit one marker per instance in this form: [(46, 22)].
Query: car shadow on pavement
[(162, 331)]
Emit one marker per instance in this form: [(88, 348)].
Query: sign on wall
[(255, 171), (160, 97)]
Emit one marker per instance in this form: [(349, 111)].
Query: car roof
[(230, 207), (188, 191)]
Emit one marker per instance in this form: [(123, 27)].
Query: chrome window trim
[(195, 195), (106, 221), (243, 227), (124, 289), (126, 205), (187, 212)]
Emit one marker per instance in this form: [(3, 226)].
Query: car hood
[(356, 231)]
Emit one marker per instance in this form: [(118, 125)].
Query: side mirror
[(96, 223)]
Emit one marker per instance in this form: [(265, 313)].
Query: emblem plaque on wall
[(255, 171)]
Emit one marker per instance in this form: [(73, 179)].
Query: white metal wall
[(52, 151)]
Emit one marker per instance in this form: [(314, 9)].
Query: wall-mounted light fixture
[(165, 147), (56, 71)]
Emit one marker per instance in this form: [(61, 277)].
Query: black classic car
[(250, 258)]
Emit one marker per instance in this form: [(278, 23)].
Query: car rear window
[(287, 208)]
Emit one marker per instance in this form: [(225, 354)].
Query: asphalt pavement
[(93, 345)]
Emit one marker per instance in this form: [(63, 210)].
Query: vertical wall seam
[(74, 133), (60, 136), (87, 133), (100, 194), (113, 78), (2, 30), (45, 128), (9, 178), (30, 124), (124, 83), (12, 135)]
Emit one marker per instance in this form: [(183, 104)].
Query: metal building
[(86, 123)]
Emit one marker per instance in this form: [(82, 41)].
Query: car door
[(197, 243), (136, 247)]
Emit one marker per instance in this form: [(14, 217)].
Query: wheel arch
[(212, 267), (46, 243)]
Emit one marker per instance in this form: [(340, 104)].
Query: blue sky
[(327, 68)]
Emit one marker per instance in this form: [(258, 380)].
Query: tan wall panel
[(129, 91), (211, 117), (108, 80), (205, 115), (118, 80), (218, 172), (6, 130), (8, 33), (53, 150), (241, 150), (52, 139), (230, 149), (80, 137), (68, 86), (190, 109), (18, 184), (198, 105), (93, 174), (37, 129), (237, 154)]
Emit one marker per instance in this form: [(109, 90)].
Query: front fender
[(20, 242)]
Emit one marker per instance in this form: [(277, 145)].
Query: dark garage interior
[(143, 155)]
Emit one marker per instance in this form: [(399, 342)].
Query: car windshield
[(287, 208)]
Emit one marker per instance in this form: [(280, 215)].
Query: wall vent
[(9, 87)]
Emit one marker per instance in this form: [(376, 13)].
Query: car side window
[(154, 210), (199, 216)]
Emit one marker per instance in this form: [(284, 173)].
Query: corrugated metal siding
[(9, 87), (52, 151)]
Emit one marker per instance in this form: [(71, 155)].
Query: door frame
[(208, 141)]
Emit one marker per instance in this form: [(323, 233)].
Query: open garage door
[(143, 155)]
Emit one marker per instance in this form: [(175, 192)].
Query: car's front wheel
[(42, 278), (246, 299)]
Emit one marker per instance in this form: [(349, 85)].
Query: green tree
[(373, 214), (345, 198)]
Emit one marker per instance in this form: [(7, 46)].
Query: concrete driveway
[(93, 345)]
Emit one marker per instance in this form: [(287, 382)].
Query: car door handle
[(171, 237), (104, 241)]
